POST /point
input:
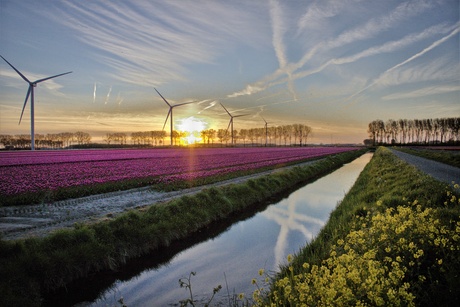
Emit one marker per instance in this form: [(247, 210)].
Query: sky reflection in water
[(263, 241)]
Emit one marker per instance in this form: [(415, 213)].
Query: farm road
[(438, 170), (17, 222)]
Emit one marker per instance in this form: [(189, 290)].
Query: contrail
[(280, 49), (211, 104), (119, 98), (360, 33), (415, 56), (108, 95), (94, 92)]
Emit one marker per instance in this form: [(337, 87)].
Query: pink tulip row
[(32, 172)]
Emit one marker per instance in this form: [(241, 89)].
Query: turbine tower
[(266, 130), (231, 120), (170, 112), (30, 93)]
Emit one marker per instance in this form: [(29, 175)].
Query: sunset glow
[(332, 65), (192, 127)]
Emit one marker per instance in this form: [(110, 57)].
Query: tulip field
[(31, 172)]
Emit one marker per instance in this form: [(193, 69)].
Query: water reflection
[(307, 209), (262, 241), (288, 219)]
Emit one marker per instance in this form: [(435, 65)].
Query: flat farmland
[(25, 174)]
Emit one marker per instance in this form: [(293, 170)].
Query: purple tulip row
[(32, 172)]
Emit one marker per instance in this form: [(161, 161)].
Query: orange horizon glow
[(192, 128)]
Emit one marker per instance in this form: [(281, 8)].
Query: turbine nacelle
[(170, 113), (230, 123)]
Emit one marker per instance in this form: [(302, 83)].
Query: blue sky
[(333, 65)]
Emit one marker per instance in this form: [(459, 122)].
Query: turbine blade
[(226, 110), (241, 115), (23, 77), (44, 79), (181, 104), (170, 110), (229, 124), (162, 97), (25, 102)]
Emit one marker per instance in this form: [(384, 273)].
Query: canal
[(230, 256)]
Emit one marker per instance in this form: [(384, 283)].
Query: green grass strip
[(393, 240), (34, 266)]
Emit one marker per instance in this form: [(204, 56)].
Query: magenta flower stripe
[(22, 172)]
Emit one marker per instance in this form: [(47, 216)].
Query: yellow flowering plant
[(400, 250)]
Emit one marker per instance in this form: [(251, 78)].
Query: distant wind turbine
[(266, 130), (231, 120), (170, 112), (31, 93)]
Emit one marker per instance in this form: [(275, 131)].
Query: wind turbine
[(266, 130), (31, 93), (170, 112), (231, 119)]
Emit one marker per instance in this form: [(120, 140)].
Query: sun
[(191, 127)]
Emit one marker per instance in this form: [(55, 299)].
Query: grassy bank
[(393, 240), (32, 267)]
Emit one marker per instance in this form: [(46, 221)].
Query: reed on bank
[(34, 266)]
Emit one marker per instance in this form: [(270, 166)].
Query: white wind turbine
[(31, 93), (231, 120), (170, 112)]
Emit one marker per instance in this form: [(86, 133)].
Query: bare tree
[(82, 137)]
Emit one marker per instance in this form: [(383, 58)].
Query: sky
[(334, 65)]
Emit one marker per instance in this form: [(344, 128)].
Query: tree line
[(280, 135), (50, 140), (414, 131), (296, 134), (286, 135)]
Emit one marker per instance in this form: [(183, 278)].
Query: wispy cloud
[(440, 69), (318, 13), (173, 34), (426, 91), (384, 75), (50, 84), (387, 47), (368, 30)]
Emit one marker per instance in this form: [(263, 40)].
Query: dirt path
[(440, 171), (18, 222)]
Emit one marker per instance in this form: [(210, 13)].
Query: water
[(234, 257)]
